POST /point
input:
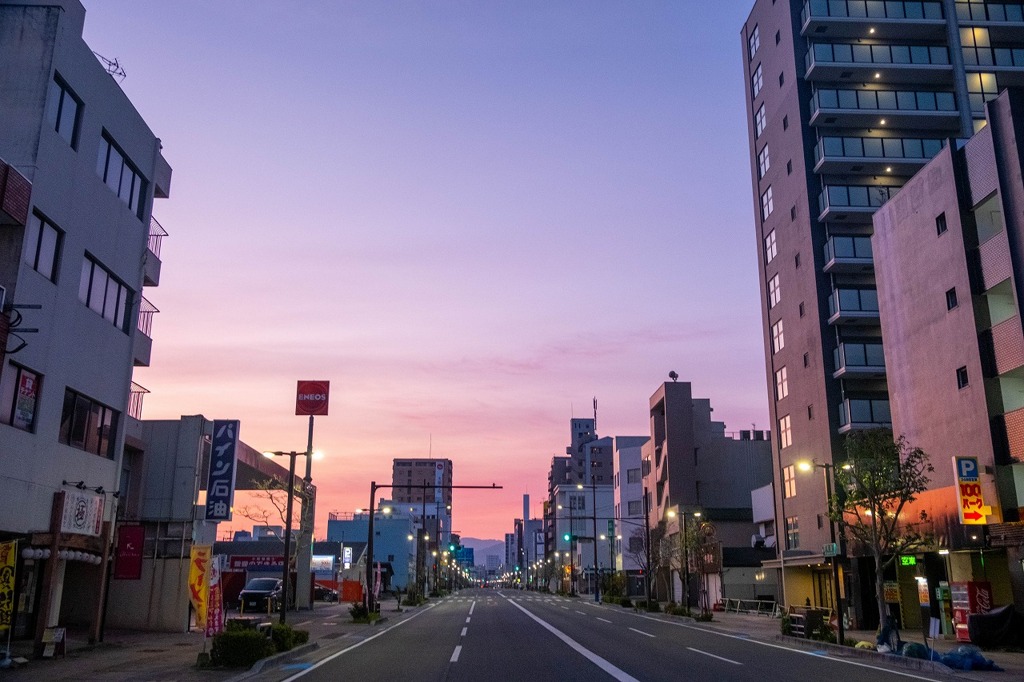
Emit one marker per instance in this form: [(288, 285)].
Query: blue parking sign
[(967, 469)]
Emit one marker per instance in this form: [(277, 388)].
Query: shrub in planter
[(359, 612), (625, 602), (301, 636), (706, 617), (786, 626), (283, 637), (240, 648)]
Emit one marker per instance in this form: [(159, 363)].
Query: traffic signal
[(567, 537), (451, 547)]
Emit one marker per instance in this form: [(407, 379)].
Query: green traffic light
[(566, 537)]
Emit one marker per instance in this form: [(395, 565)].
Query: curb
[(259, 665), (838, 651)]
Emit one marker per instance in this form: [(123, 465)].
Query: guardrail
[(761, 607)]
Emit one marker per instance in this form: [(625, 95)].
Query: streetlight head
[(386, 510), (804, 465), (671, 513), (269, 454), (579, 486), (318, 454), (697, 514)]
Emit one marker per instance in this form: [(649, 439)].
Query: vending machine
[(968, 598)]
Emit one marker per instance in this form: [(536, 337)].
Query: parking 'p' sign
[(970, 502), (311, 398)]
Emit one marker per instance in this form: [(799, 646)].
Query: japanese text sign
[(970, 503), (8, 555), (220, 487), (199, 581)]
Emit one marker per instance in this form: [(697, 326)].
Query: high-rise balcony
[(853, 203), (859, 62), (864, 413), (142, 340), (874, 155), (853, 306), (975, 13), (855, 18), (848, 255), (858, 360), (152, 263), (859, 108)]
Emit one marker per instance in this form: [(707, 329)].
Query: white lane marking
[(467, 619), (305, 622), (749, 640), (646, 634), (601, 663), (564, 607), (357, 644), (464, 632), (727, 660), (471, 607), (604, 619), (579, 612), (455, 654)]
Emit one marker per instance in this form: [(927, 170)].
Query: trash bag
[(914, 650), (999, 627), (967, 657), (889, 637)]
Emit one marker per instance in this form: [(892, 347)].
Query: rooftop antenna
[(673, 376), (430, 446), (595, 415), (112, 66)]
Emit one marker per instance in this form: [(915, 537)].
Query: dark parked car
[(324, 593), (261, 595)]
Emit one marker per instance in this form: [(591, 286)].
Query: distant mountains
[(481, 548)]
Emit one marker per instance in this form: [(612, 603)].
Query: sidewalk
[(766, 628), (158, 655)]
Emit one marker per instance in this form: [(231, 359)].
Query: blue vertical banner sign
[(220, 487)]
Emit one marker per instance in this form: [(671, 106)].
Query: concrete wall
[(158, 601)]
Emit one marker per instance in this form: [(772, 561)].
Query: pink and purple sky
[(470, 217)]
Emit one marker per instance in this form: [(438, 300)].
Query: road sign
[(830, 550)]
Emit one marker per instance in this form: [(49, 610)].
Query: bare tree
[(272, 508), (874, 485)]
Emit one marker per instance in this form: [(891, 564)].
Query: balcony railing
[(881, 148), (135, 400), (846, 305), (864, 414), (865, 359), (993, 56), (847, 251), (870, 9), (146, 312), (874, 55), (883, 100), (989, 11), (855, 197), (156, 236)]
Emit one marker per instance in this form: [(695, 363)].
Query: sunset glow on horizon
[(471, 219)]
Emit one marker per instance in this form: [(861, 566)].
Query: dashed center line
[(645, 634), (467, 619), (455, 654), (566, 608), (727, 660), (471, 607), (581, 613), (603, 619), (464, 631)]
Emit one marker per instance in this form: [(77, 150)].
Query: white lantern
[(76, 555), (62, 554), (46, 554), (27, 553), (37, 553)]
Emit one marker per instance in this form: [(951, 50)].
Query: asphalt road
[(498, 635)]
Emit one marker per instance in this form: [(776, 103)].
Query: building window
[(19, 393), (759, 121), (635, 507), (785, 432), (951, 301), (120, 175), (796, 261), (106, 294), (42, 246), (778, 37), (940, 223), (792, 212), (785, 122), (807, 360), (782, 79), (632, 476), (778, 340), (801, 308), (756, 81), (763, 162), (88, 425), (789, 167), (62, 110), (767, 205), (792, 533), (810, 412), (961, 377), (753, 42), (770, 248), (774, 292), (781, 384), (789, 481)]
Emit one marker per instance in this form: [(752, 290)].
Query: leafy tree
[(879, 478)]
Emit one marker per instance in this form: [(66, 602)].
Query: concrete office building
[(73, 265), (415, 486), (583, 456), (697, 475), (949, 262), (845, 102)]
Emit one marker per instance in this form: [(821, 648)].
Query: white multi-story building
[(628, 498), (73, 272)]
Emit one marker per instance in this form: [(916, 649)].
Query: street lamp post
[(286, 571), (593, 512), (834, 559)]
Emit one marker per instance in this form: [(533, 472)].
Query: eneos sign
[(312, 397)]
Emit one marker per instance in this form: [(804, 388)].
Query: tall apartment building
[(573, 468), (417, 485), (950, 269), (73, 268), (845, 101), (628, 509)]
